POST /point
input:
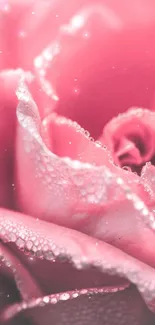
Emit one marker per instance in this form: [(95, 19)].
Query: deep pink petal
[(9, 292), (80, 249), (12, 267), (8, 102), (124, 307)]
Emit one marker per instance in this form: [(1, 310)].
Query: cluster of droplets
[(41, 64), (140, 113), (148, 178), (48, 166), (105, 264), (31, 243), (57, 298), (143, 212)]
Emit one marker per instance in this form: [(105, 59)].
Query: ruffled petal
[(66, 138), (82, 189), (130, 137), (105, 202)]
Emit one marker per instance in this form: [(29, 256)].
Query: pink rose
[(77, 218)]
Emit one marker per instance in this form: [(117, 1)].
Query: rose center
[(130, 138)]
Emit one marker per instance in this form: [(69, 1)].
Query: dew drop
[(42, 168), (75, 295), (76, 91), (83, 291), (2, 231), (31, 258), (34, 248), (20, 243), (36, 243), (12, 237), (87, 134), (53, 301), (145, 212), (64, 296), (139, 205), (46, 300), (49, 255), (45, 248), (40, 254)]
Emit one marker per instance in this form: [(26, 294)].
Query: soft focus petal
[(8, 102), (9, 82), (97, 55), (87, 68)]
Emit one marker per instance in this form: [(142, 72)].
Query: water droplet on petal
[(64, 296), (20, 243)]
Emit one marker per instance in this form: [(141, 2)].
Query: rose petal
[(65, 277), (9, 293), (88, 188), (8, 101), (80, 86), (130, 137), (123, 226), (79, 248), (11, 12), (10, 265), (66, 138), (9, 80), (117, 39), (22, 20), (124, 307), (114, 210), (148, 177)]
